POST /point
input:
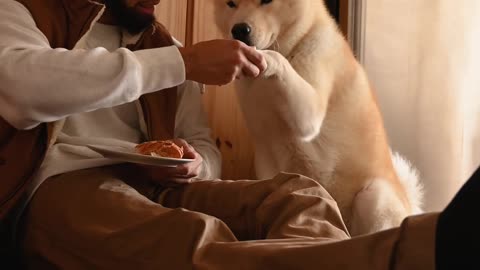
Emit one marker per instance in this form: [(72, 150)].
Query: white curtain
[(423, 59)]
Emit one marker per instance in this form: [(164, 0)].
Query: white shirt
[(124, 125), (39, 84)]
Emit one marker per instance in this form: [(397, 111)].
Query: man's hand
[(219, 62), (182, 174)]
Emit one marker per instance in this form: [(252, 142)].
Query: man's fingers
[(184, 170), (256, 58), (174, 182), (179, 180), (188, 150), (182, 173), (179, 170), (250, 70), (188, 154)]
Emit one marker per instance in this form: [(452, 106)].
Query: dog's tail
[(409, 178), (378, 206)]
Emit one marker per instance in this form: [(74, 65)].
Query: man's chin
[(139, 23), (133, 19)]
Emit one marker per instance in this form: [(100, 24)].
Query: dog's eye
[(231, 4), (265, 2)]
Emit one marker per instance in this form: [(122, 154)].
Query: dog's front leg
[(303, 107)]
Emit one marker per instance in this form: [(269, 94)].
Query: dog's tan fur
[(313, 112)]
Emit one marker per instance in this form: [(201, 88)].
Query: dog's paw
[(275, 64)]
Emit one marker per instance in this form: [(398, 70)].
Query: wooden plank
[(173, 14), (190, 22), (224, 114)]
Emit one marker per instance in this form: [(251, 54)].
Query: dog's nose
[(242, 32)]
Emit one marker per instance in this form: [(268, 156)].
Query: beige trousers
[(96, 219)]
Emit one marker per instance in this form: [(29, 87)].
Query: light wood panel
[(226, 120), (173, 14)]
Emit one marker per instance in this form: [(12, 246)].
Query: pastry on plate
[(166, 149)]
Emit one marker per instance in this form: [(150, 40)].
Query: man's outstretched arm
[(41, 84)]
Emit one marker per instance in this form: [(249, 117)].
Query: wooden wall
[(228, 127), (190, 21), (173, 14), (226, 120)]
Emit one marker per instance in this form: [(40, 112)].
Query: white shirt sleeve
[(40, 84), (191, 124)]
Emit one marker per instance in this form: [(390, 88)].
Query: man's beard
[(128, 18)]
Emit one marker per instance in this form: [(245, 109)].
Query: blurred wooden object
[(174, 16)]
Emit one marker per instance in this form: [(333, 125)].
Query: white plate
[(128, 155)]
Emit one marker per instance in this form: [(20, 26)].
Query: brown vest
[(64, 22)]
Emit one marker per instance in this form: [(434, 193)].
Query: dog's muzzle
[(242, 33)]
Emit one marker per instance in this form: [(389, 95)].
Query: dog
[(313, 111)]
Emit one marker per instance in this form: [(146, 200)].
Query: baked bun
[(160, 149)]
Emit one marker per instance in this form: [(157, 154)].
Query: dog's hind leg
[(375, 208)]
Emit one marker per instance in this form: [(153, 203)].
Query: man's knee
[(196, 225), (294, 204), (296, 183)]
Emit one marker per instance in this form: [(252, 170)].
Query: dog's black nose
[(242, 32)]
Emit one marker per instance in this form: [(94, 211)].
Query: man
[(93, 216), (71, 82), (106, 85)]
